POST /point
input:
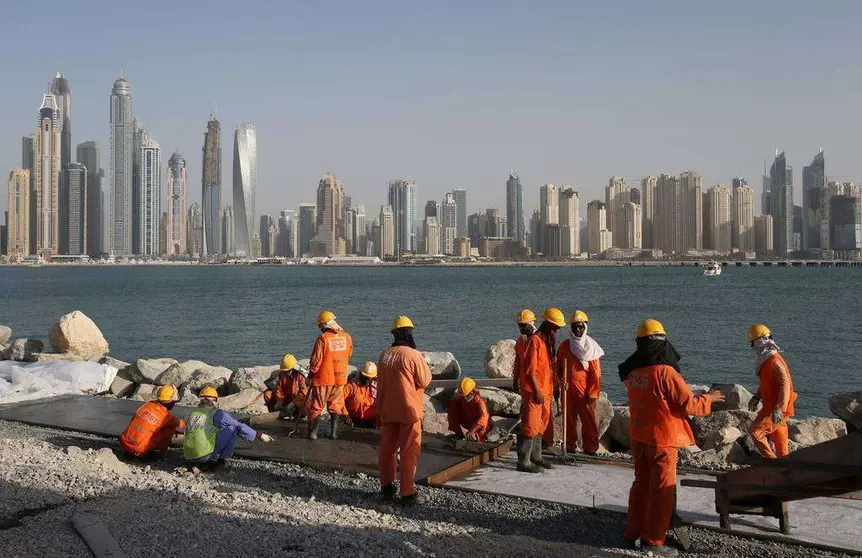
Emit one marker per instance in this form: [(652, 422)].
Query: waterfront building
[(432, 236), (570, 227), (244, 187), (475, 227), (149, 198), (176, 226), (432, 208), (76, 182), (307, 227), (813, 179), (632, 223), (46, 144), (743, 219), (386, 233), (845, 227), (616, 196), (63, 96), (599, 237), (764, 244), (461, 214), (515, 208), (402, 200), (448, 220), (163, 233), (549, 214), (267, 249), (227, 231), (691, 185), (194, 235), (329, 240), (718, 219), (781, 196), (28, 161), (648, 186), (18, 215), (121, 168), (359, 224), (211, 188), (668, 214), (88, 154)]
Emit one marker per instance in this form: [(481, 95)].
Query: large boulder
[(248, 401), (148, 370), (604, 414), (260, 378), (815, 430), (443, 365), (110, 361), (188, 398), (215, 376), (123, 385), (501, 402), (75, 333), (735, 397), (721, 437), (848, 407), (180, 373), (618, 428), (5, 334), (705, 426), (42, 357), (500, 359), (4, 351), (434, 420), (24, 350), (144, 392), (721, 456)]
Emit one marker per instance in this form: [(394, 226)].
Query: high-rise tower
[(150, 198), (211, 184), (244, 187), (176, 242), (402, 200), (329, 240), (781, 180), (515, 208), (18, 231), (76, 180), (120, 168), (813, 187), (47, 182), (89, 156), (63, 95)]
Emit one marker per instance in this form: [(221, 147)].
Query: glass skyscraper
[(120, 169), (244, 187), (211, 194), (515, 208)]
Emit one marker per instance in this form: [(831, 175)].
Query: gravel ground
[(256, 508)]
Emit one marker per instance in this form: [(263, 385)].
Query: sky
[(453, 94)]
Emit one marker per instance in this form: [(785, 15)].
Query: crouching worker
[(291, 389), (360, 398), (211, 433), (149, 433), (468, 413)]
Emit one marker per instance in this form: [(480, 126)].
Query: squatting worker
[(526, 321), (328, 364), (211, 433), (403, 375), (659, 401), (581, 370), (468, 413), (291, 389), (360, 398), (537, 387), (150, 431), (775, 391)]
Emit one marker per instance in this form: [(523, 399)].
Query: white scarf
[(763, 349), (585, 348)]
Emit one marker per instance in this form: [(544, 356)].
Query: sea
[(238, 316)]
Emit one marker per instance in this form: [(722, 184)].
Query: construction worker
[(291, 389), (211, 433), (360, 398), (659, 402), (526, 321), (468, 413), (537, 386), (150, 431), (581, 370), (329, 360), (403, 375), (775, 392)]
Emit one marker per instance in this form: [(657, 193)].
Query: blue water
[(238, 316)]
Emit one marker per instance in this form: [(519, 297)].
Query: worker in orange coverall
[(402, 376), (291, 389), (468, 413), (328, 363), (150, 431), (775, 391), (579, 365), (360, 398), (536, 383), (659, 403)]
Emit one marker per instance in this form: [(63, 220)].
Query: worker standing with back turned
[(775, 391), (328, 364), (402, 376), (659, 402)]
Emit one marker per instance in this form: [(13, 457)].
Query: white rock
[(180, 373), (215, 376), (77, 334), (107, 459), (148, 370), (188, 398), (122, 386), (721, 437), (736, 396), (247, 401), (500, 359), (706, 425), (144, 392), (443, 365), (501, 402), (618, 429), (24, 350), (815, 430), (5, 334), (728, 454), (260, 378)]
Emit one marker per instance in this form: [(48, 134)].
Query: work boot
[(524, 446), (536, 454), (333, 428), (660, 550), (413, 499), (389, 492), (313, 427)]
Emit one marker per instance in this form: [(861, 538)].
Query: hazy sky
[(453, 94)]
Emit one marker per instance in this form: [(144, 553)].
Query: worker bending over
[(211, 433), (403, 375), (329, 361), (579, 365), (150, 431), (659, 402), (775, 392), (291, 389), (468, 413), (360, 398), (536, 383)]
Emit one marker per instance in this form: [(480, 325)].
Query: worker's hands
[(777, 417), (471, 436), (265, 438), (347, 420), (715, 396), (538, 398), (753, 404)]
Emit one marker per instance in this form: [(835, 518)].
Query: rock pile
[(76, 334)]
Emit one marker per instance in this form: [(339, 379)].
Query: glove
[(777, 417), (470, 436), (265, 438)]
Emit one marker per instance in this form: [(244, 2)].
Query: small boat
[(712, 269)]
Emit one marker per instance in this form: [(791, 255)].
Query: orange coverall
[(535, 363), (468, 415), (151, 429), (585, 385), (292, 387), (402, 376), (659, 401), (776, 392), (360, 402), (328, 363)]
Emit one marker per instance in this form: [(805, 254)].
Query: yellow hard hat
[(555, 316), (580, 316), (208, 391), (757, 331), (288, 362), (650, 327), (369, 370), (325, 317), (401, 321), (166, 393), (467, 385), (525, 317)]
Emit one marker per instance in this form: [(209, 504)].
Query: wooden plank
[(95, 533), (468, 465), (799, 465)]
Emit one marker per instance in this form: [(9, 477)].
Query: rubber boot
[(333, 428), (524, 447), (313, 427), (536, 454), (389, 492)]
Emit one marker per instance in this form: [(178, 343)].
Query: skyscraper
[(307, 227), (244, 187), (47, 182), (386, 242), (813, 178), (570, 222), (448, 221), (211, 185), (515, 208), (600, 237), (781, 180), (227, 231), (743, 219), (648, 186), (194, 234), (692, 216), (402, 200), (719, 222), (845, 226), (329, 240), (76, 181), (763, 239), (89, 156), (150, 198), (176, 225), (63, 96), (461, 217), (120, 169), (18, 231), (670, 202), (632, 223), (616, 196), (28, 161), (549, 213), (359, 228)]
